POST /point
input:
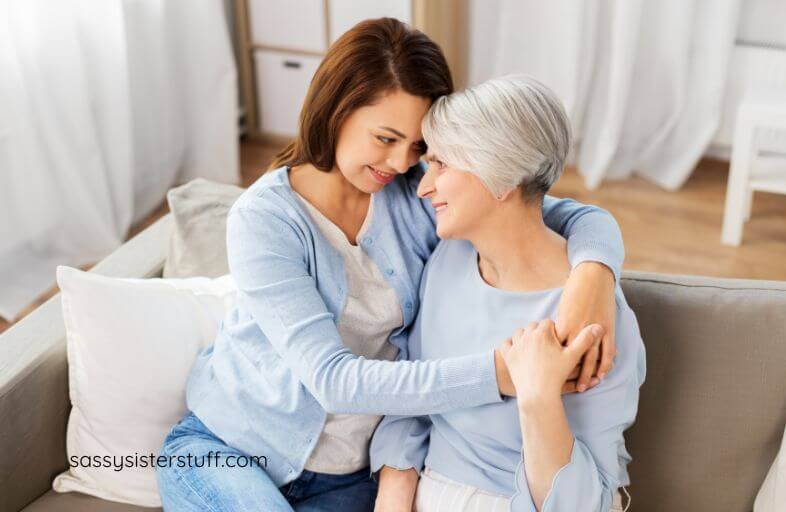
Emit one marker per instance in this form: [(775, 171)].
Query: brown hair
[(372, 58)]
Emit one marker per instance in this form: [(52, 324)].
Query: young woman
[(495, 150), (327, 252)]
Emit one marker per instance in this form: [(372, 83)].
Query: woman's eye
[(385, 140)]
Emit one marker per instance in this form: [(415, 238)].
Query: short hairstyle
[(510, 132)]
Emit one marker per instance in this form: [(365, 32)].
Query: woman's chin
[(367, 186), (443, 232), (370, 185)]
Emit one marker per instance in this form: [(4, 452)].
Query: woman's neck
[(336, 198), (517, 252), (326, 187)]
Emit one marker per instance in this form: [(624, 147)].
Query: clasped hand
[(540, 366)]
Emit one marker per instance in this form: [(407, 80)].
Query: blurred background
[(678, 109)]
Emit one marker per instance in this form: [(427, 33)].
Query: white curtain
[(104, 105), (642, 80)]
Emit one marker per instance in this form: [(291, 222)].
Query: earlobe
[(506, 195)]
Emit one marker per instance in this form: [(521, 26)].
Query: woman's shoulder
[(267, 211), (270, 193)]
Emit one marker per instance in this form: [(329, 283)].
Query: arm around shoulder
[(269, 262)]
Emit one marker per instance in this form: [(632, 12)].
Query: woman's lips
[(439, 207), (381, 177)]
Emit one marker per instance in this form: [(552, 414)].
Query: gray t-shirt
[(372, 311)]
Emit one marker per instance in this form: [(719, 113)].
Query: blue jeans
[(200, 485)]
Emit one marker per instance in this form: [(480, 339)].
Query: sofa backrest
[(712, 409)]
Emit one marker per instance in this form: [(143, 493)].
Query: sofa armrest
[(34, 401)]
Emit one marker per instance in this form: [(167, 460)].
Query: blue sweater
[(278, 366), (481, 446)]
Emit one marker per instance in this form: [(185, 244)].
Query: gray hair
[(509, 132)]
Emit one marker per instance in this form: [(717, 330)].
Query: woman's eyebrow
[(391, 130)]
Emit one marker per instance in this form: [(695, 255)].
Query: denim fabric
[(223, 489), (278, 364)]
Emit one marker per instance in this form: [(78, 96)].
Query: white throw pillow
[(772, 495), (131, 344)]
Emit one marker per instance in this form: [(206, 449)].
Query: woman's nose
[(426, 185), (399, 159)]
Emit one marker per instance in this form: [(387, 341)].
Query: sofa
[(711, 415)]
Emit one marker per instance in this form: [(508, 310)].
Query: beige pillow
[(198, 244), (772, 495)]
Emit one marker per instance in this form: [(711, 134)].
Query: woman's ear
[(505, 195)]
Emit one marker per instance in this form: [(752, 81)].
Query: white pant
[(437, 493)]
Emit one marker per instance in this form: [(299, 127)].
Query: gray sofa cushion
[(713, 407), (198, 243), (77, 502)]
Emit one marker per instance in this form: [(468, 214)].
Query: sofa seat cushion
[(78, 502)]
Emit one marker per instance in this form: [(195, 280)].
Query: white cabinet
[(282, 82), (283, 41), (290, 24), (344, 14)]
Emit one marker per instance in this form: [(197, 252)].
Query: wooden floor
[(671, 232), (679, 232)]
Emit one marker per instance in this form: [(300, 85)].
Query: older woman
[(494, 152)]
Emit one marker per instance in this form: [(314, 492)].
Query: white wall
[(482, 26), (763, 21)]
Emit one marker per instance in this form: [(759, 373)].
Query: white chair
[(750, 170)]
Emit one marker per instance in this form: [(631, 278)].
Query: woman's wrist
[(504, 381), (397, 489), (537, 401)]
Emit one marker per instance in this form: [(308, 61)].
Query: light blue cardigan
[(278, 364)]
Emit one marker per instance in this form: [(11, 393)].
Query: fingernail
[(601, 375), (582, 388), (597, 330), (595, 382)]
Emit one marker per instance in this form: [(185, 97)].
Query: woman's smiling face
[(461, 201), (381, 140)]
